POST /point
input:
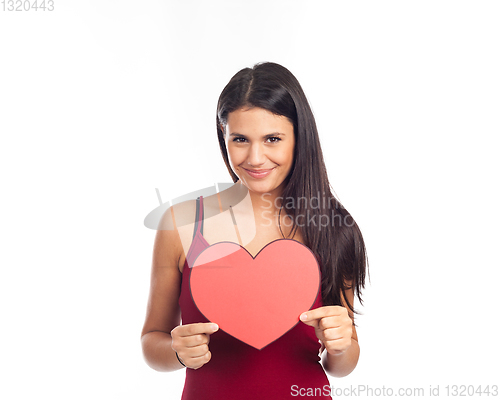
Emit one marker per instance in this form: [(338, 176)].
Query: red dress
[(239, 371)]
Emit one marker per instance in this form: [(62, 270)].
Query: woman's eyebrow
[(265, 136)]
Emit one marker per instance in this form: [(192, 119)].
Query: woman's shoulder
[(173, 236), (183, 214), (177, 215)]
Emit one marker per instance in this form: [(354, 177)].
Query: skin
[(255, 139)]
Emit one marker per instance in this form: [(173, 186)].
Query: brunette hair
[(339, 246)]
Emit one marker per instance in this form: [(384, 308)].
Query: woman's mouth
[(258, 173)]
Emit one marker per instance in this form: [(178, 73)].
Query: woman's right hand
[(190, 342)]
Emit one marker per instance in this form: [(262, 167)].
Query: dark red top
[(239, 371)]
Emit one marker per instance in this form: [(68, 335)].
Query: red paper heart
[(256, 300)]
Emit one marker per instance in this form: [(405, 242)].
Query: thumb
[(306, 319)]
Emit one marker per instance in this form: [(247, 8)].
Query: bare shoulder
[(184, 213), (182, 217), (163, 312)]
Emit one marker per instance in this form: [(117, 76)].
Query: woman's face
[(260, 146)]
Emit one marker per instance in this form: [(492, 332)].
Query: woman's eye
[(272, 139)]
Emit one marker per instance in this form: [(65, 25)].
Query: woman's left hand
[(333, 327)]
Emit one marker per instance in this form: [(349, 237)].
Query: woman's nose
[(256, 155)]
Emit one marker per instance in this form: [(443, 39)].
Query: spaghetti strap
[(198, 244), (202, 216), (198, 225), (220, 204)]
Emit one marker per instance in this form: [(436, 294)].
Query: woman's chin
[(261, 187)]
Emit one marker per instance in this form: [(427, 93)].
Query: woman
[(270, 144)]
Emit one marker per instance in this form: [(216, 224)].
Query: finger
[(338, 346), (195, 329), (195, 340), (332, 334), (314, 322), (313, 317), (330, 322), (198, 362), (194, 352), (321, 312)]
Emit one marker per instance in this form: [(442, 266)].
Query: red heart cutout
[(256, 300)]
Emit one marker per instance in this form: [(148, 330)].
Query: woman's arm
[(342, 364), (163, 313), (334, 327), (339, 364)]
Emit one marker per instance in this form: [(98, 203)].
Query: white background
[(101, 102)]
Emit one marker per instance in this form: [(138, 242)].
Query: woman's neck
[(261, 202)]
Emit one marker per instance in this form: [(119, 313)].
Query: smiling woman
[(260, 145), (270, 145)]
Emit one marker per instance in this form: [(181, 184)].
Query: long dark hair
[(338, 245)]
